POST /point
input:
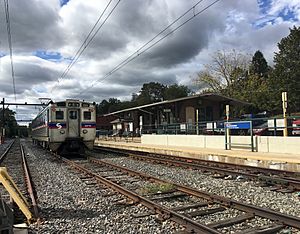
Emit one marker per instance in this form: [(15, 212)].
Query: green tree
[(256, 86), (10, 123), (259, 65), (236, 75), (150, 93), (286, 73), (112, 105), (176, 91), (102, 107)]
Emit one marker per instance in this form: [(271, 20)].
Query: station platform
[(289, 162)]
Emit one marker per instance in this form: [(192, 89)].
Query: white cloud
[(45, 26)]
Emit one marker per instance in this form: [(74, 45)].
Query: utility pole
[(284, 107), (3, 124)]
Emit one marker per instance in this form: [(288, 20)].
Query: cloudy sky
[(47, 34)]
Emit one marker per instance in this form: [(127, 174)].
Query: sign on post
[(238, 125)]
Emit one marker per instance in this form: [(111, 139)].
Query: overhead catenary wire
[(87, 40), (145, 47), (7, 18)]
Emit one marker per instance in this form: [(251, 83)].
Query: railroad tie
[(205, 212), (231, 221), (267, 229), (170, 196)]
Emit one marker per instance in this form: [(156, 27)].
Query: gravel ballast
[(70, 205), (244, 191)]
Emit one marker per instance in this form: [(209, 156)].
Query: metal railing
[(260, 126)]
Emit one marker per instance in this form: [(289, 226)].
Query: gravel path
[(245, 191), (71, 206)]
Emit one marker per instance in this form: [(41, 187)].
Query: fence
[(260, 126)]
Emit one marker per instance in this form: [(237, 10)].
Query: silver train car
[(66, 127)]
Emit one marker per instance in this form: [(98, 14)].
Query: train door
[(73, 120)]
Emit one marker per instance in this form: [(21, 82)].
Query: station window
[(87, 115), (59, 115), (73, 114)]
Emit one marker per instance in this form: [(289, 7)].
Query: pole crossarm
[(23, 104)]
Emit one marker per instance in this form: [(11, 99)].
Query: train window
[(73, 104), (87, 115), (59, 115), (61, 104), (85, 104), (73, 114)]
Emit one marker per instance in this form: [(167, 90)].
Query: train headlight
[(85, 131), (62, 131)]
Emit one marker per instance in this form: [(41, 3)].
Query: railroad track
[(184, 205), (277, 180), (14, 160)]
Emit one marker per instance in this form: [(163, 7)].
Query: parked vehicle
[(261, 130), (296, 127)]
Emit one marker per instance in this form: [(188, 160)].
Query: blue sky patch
[(63, 2), (40, 89), (48, 55), (2, 54), (264, 6), (287, 15)]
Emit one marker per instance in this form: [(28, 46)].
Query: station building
[(181, 113)]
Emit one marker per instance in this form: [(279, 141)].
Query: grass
[(157, 188)]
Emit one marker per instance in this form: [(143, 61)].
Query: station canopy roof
[(205, 96)]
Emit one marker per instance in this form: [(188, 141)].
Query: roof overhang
[(205, 96)]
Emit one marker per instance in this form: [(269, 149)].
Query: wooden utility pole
[(2, 134)]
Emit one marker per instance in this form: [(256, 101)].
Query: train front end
[(73, 127)]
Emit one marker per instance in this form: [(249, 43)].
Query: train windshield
[(73, 114)]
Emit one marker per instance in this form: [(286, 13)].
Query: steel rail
[(225, 168), (164, 212), (204, 161), (29, 184), (291, 182), (285, 219), (2, 157)]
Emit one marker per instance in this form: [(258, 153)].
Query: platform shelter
[(183, 112)]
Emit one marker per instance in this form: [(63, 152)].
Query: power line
[(10, 45), (87, 40), (144, 48)]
